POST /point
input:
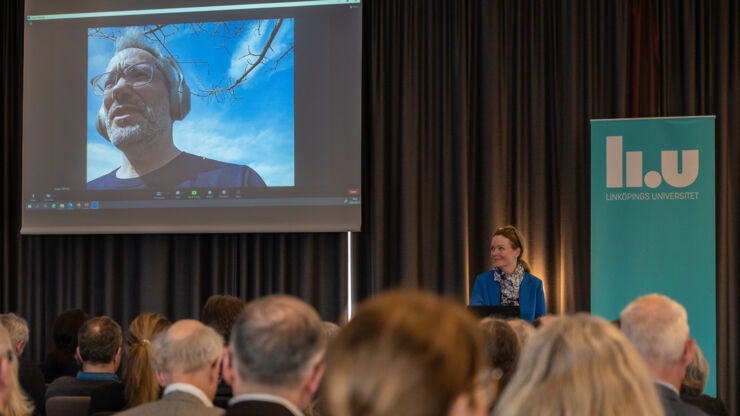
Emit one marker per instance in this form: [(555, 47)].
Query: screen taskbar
[(215, 201)]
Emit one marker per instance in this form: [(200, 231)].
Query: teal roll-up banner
[(652, 219)]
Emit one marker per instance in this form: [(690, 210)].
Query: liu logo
[(634, 178)]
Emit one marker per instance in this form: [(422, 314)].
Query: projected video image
[(191, 105)]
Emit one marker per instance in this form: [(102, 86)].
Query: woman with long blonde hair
[(140, 383), (16, 404), (579, 365)]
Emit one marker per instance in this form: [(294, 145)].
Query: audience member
[(658, 327), (524, 330), (220, 312), (99, 350), (579, 365), (186, 359), (692, 386), (316, 407), (13, 402), (60, 361), (502, 347), (409, 354), (274, 361), (6, 359), (139, 381), (29, 375), (543, 320), (331, 329)]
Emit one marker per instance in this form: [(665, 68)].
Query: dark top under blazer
[(258, 408)]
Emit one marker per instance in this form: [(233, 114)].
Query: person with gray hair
[(274, 362), (30, 376), (658, 328), (6, 370), (144, 92), (186, 359)]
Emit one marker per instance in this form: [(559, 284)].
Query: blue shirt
[(83, 375)]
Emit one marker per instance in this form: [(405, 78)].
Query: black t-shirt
[(184, 171)]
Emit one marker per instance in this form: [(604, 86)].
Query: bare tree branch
[(226, 31), (252, 65)]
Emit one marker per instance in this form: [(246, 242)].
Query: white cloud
[(254, 41), (267, 149), (101, 159)]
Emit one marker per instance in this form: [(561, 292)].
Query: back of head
[(220, 312), (64, 335), (186, 347), (99, 340), (17, 328), (403, 353), (140, 383), (657, 327), (17, 403), (331, 329), (697, 373), (502, 347), (523, 329), (579, 365), (276, 340)]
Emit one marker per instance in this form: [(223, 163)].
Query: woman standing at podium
[(510, 282)]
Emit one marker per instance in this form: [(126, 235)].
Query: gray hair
[(276, 339), (697, 373), (191, 353), (657, 326), (133, 37), (17, 327)]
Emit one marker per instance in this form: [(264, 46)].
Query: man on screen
[(144, 92)]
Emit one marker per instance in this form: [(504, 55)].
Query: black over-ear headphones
[(179, 99)]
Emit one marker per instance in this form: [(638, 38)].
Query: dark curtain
[(699, 53), (475, 114)]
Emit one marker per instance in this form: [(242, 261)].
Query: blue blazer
[(487, 291)]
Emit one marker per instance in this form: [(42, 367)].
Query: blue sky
[(255, 129)]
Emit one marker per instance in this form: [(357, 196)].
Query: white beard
[(155, 123)]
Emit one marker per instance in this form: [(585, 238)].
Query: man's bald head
[(276, 340), (186, 346), (99, 340), (657, 326)]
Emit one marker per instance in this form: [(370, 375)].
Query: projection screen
[(191, 117)]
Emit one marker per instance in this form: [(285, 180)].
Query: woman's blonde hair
[(517, 242), (404, 353), (579, 365), (18, 403), (140, 383), (697, 373)]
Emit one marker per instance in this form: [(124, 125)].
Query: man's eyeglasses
[(136, 75)]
